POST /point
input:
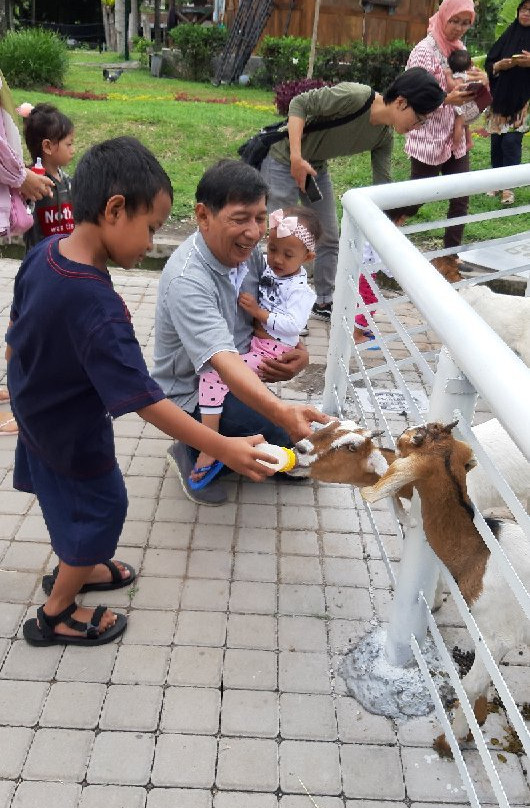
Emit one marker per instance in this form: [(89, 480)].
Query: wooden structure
[(343, 21)]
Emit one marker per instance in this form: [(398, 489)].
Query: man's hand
[(249, 303), (240, 456), (300, 168), (296, 419), (286, 367)]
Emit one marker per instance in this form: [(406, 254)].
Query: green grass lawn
[(187, 136)]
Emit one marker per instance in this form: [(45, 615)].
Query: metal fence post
[(418, 569), (343, 307)]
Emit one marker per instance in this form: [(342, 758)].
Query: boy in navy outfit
[(73, 364)]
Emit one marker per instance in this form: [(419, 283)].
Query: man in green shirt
[(405, 105)]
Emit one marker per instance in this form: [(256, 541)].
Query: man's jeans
[(284, 193)]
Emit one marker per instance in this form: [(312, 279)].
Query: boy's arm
[(236, 453), (245, 385)]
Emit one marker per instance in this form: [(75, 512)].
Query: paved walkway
[(224, 691)]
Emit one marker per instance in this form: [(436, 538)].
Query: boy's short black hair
[(229, 182), (45, 122), (122, 165), (307, 217), (419, 88), (459, 60)]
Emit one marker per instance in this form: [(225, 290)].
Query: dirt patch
[(310, 380)]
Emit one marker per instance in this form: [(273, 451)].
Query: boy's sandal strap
[(110, 565), (47, 623)]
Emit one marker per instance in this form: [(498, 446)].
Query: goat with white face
[(508, 315), (341, 452), (437, 464)]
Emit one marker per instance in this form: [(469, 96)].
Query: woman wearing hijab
[(508, 69), (431, 149)]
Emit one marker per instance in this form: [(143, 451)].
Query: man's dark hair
[(419, 88), (45, 122), (228, 182), (459, 60), (124, 166)]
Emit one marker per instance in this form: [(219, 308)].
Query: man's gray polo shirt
[(197, 316)]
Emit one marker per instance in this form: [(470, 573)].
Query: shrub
[(288, 89), (285, 58), (33, 58), (141, 45), (197, 44)]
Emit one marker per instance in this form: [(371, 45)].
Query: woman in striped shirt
[(431, 149)]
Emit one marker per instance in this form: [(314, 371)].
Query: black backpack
[(255, 150)]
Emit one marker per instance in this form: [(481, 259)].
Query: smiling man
[(199, 326)]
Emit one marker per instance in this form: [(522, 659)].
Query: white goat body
[(508, 315), (509, 460)]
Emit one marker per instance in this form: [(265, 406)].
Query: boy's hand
[(296, 419), (249, 303), (240, 456), (286, 367)]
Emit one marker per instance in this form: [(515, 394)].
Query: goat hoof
[(441, 746)]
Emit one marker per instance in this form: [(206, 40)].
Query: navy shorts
[(84, 517)]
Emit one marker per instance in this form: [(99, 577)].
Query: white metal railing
[(476, 362)]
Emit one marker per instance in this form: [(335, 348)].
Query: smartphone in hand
[(312, 190)]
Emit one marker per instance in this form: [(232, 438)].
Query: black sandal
[(117, 579), (40, 630)]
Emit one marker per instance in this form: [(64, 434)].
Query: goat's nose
[(304, 446)]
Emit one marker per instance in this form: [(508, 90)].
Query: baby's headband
[(25, 109), (288, 226)]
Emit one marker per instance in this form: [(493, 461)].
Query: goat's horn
[(450, 426)]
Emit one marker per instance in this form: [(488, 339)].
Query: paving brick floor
[(224, 691)]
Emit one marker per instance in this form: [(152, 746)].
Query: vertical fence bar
[(418, 569)]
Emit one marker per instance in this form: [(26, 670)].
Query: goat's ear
[(449, 427), (403, 471), (376, 434), (471, 463)]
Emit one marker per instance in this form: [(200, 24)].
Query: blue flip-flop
[(211, 471), (371, 336)]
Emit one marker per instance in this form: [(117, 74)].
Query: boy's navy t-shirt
[(75, 362)]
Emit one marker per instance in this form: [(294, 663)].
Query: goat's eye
[(352, 447)]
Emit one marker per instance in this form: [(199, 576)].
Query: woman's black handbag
[(255, 150)]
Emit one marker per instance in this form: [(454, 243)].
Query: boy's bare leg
[(360, 336), (212, 422), (67, 585)]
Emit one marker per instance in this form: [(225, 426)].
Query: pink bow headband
[(288, 226)]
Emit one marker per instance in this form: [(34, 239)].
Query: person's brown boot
[(448, 266)]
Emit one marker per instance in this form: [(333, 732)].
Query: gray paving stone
[(300, 570), (372, 772), (299, 542), (26, 556), (191, 710), (293, 801), (178, 798), (251, 631), (345, 634), (340, 521), (348, 602), (112, 797), (310, 766), (213, 537), (75, 705), (293, 517), (44, 795), (14, 743), (248, 669), (356, 725), (308, 717), (345, 546), (22, 662), (345, 572), (299, 599), (157, 593), (301, 634), (141, 665), (256, 539), (131, 707), (304, 672), (121, 758), (335, 496), (201, 628), (249, 764), (253, 597), (250, 712), (10, 524), (198, 666), (419, 731), (233, 799), (255, 567), (17, 587), (210, 564), (21, 702), (7, 789), (58, 754), (149, 627), (379, 574), (176, 510), (187, 761), (226, 515), (258, 494), (205, 595), (164, 563), (175, 536), (265, 516), (15, 502), (82, 665), (142, 487)]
